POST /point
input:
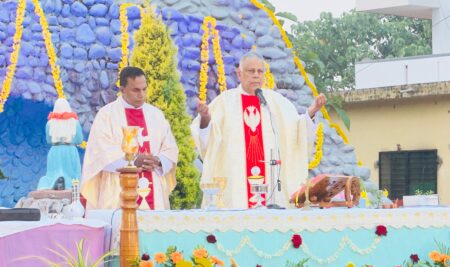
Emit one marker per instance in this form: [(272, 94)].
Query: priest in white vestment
[(237, 135), (158, 152)]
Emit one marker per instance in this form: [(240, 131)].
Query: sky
[(311, 9)]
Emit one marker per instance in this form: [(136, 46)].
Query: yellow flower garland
[(340, 132), (299, 66), (218, 57), (269, 80), (319, 144), (209, 25), (6, 87), (124, 38), (50, 50)]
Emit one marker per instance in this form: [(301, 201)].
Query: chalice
[(210, 189), (257, 188), (130, 144), (222, 183)]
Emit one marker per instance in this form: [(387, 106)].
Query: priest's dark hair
[(129, 72)]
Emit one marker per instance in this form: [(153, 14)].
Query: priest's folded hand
[(147, 162)]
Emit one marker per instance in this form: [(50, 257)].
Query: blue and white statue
[(63, 132)]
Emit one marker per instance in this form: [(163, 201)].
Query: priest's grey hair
[(249, 55)]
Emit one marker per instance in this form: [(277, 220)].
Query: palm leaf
[(287, 15), (442, 248), (67, 258), (99, 260), (43, 259), (80, 245)]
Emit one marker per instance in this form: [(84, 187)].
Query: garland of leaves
[(209, 29), (6, 87), (298, 64), (50, 49)]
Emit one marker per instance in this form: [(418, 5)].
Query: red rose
[(211, 239), (145, 257), (296, 241), (414, 258), (381, 230), (258, 265)]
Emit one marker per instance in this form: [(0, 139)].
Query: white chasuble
[(224, 152), (101, 187)]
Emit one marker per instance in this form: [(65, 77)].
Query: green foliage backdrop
[(155, 53)]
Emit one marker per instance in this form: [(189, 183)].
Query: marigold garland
[(319, 144), (209, 29), (6, 87), (123, 18), (298, 64), (269, 80), (339, 132), (50, 49)]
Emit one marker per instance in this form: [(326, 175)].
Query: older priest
[(237, 134), (158, 152)]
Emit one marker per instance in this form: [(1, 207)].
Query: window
[(403, 172)]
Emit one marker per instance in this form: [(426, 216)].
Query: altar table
[(330, 237), (20, 239)]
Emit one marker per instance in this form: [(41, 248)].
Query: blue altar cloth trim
[(392, 250)]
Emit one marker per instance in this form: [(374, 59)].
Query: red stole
[(135, 117), (254, 145)]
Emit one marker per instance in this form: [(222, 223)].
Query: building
[(400, 112)]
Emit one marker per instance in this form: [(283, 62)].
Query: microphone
[(260, 96)]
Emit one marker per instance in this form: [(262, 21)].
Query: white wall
[(403, 71), (441, 28)]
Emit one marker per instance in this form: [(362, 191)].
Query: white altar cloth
[(277, 220)]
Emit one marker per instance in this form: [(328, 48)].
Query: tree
[(155, 53), (331, 46)]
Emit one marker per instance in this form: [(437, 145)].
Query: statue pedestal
[(129, 238)]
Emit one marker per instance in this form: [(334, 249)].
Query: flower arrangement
[(420, 192), (174, 258), (373, 197)]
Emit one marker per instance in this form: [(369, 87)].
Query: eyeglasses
[(254, 71)]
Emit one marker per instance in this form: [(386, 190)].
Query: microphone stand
[(273, 163)]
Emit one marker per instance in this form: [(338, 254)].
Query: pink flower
[(381, 230), (296, 240)]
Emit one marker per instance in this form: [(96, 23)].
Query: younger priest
[(158, 153)]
